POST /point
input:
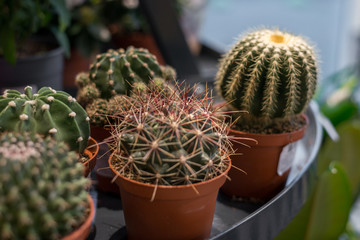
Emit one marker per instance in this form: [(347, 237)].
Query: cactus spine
[(269, 73), (48, 112), (116, 71), (42, 194), (170, 138)]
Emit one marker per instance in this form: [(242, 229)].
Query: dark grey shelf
[(234, 219)]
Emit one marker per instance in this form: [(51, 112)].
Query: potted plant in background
[(43, 193), (272, 75), (88, 35), (112, 74), (32, 43), (128, 26), (170, 157), (49, 112)]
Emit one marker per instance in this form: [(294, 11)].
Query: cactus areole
[(48, 112), (269, 73)]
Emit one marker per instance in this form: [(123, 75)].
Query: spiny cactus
[(43, 192), (116, 71), (269, 73), (82, 79), (170, 138), (102, 111), (48, 112), (87, 94)]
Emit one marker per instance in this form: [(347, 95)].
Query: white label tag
[(286, 158)]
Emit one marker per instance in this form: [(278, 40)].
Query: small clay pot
[(104, 175), (84, 230), (261, 180), (92, 151), (177, 212), (99, 133)]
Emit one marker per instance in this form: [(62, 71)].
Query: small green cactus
[(87, 94), (170, 138), (269, 73), (82, 79), (116, 71), (48, 112), (43, 192), (101, 111)]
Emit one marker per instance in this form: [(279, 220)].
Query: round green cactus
[(116, 71), (269, 73), (170, 138), (48, 112), (43, 192), (87, 94)]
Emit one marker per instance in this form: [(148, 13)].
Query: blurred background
[(64, 37), (332, 26)]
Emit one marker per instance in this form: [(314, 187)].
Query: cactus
[(87, 94), (48, 112), (43, 192), (103, 112), (116, 71), (269, 73), (82, 79), (170, 138)]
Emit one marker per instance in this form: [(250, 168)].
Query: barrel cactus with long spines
[(48, 112), (103, 112), (43, 192), (170, 138), (269, 73), (115, 71)]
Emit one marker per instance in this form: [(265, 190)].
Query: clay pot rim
[(92, 144), (150, 185), (78, 233), (275, 139), (274, 134)]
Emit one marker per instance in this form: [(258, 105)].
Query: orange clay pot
[(99, 133), (260, 162), (104, 175), (92, 151), (84, 230), (177, 212)]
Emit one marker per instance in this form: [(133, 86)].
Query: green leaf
[(7, 43), (297, 228), (331, 205), (346, 151), (62, 39), (64, 13)]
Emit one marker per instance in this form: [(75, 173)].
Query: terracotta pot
[(99, 133), (75, 64), (92, 151), (260, 162), (84, 230), (104, 175), (176, 213)]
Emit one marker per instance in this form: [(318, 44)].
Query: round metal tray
[(234, 219)]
